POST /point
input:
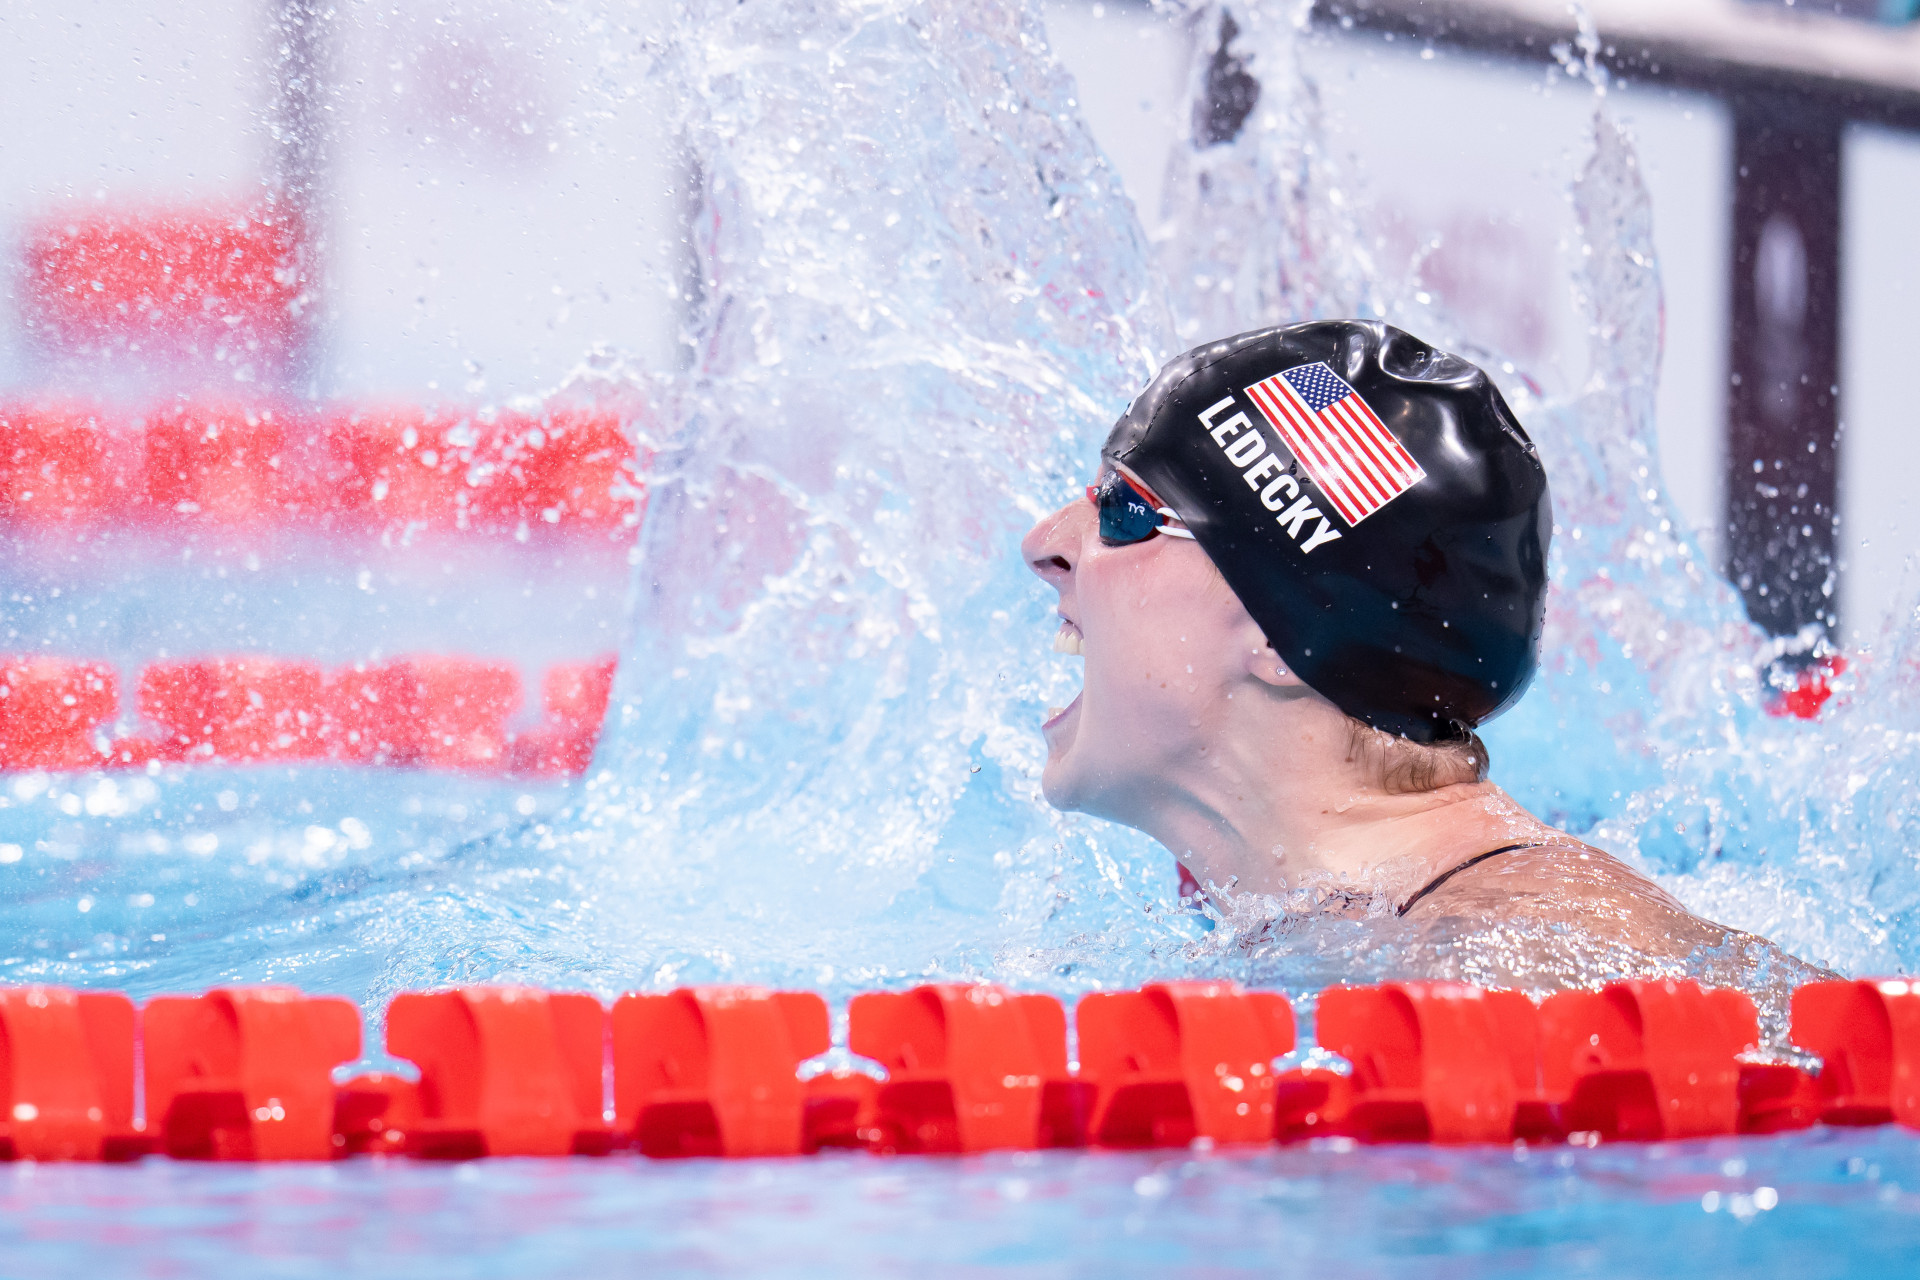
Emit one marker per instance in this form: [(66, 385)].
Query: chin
[(1057, 786), (1069, 790), (1065, 785)]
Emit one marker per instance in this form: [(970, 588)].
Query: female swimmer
[(1312, 564)]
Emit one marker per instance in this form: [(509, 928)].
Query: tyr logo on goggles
[(1128, 513)]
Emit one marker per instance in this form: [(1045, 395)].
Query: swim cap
[(1374, 504)]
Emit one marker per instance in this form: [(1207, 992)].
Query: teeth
[(1069, 640)]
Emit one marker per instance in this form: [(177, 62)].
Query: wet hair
[(1400, 766)]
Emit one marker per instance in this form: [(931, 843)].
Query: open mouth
[(1070, 641)]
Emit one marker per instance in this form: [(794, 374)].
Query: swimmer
[(1313, 562)]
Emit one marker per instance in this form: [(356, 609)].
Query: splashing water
[(1645, 729), (923, 301), (833, 685), (1647, 709), (1258, 227)]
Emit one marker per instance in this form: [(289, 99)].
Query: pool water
[(922, 301), (1822, 1203)]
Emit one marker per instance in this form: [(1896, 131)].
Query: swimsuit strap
[(1457, 868)]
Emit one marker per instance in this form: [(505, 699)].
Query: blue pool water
[(1809, 1205), (922, 300)]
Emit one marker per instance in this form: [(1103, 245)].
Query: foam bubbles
[(922, 301)]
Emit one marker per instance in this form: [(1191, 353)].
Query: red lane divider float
[(969, 1068), (504, 1071), (439, 712), (66, 1075), (1182, 1060), (221, 289), (1445, 1062), (216, 283), (50, 709), (1422, 1066), (246, 1073), (713, 1071), (1646, 1060), (1868, 1035), (565, 466)]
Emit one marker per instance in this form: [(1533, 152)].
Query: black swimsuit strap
[(1457, 868)]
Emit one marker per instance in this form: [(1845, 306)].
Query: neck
[(1267, 822)]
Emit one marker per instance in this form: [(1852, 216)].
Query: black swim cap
[(1374, 504)]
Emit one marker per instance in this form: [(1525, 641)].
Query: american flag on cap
[(1359, 464)]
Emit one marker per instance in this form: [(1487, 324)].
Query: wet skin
[(1189, 727)]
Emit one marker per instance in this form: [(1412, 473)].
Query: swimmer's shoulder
[(1573, 885)]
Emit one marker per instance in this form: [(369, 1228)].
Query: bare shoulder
[(1577, 887)]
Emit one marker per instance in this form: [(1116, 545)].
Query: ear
[(1263, 664)]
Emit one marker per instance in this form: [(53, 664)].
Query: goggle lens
[(1126, 514)]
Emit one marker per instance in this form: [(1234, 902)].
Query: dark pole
[(1784, 331), (1785, 282), (301, 128)]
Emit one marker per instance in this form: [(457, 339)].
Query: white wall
[(1685, 143), (1880, 335), (499, 201), (1130, 68), (498, 213), (1480, 153), (116, 103), (494, 214)]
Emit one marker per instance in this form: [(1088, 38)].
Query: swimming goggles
[(1128, 513)]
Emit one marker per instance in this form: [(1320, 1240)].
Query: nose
[(1052, 546)]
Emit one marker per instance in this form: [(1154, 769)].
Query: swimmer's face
[(1166, 644)]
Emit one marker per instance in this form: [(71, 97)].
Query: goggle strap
[(1170, 514)]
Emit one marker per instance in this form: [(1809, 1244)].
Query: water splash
[(1259, 223), (1645, 641), (1645, 730), (922, 301), (836, 665), (1648, 652)]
